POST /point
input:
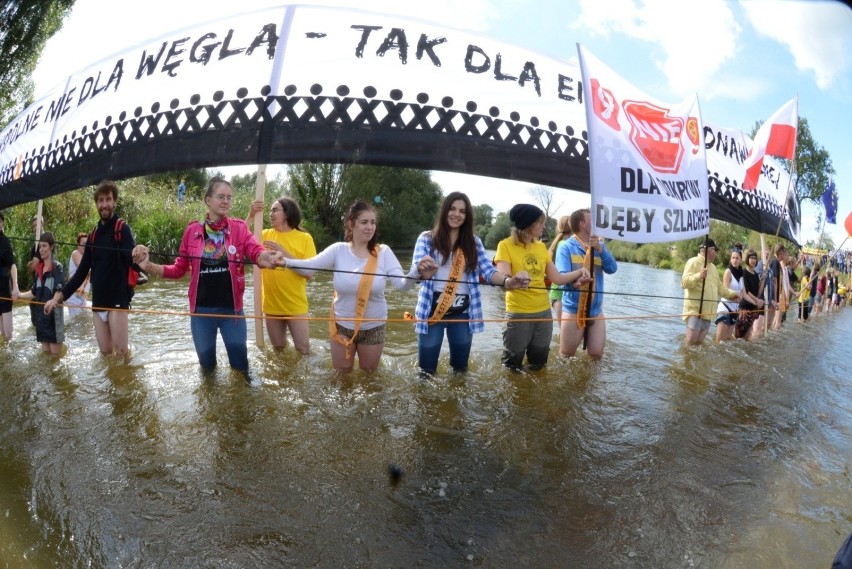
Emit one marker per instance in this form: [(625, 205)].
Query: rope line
[(407, 320), (405, 276)]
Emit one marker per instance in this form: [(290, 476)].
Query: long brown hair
[(351, 217), (465, 241)]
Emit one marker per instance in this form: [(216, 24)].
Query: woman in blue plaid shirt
[(450, 259)]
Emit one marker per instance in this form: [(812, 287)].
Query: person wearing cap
[(8, 282), (573, 254), (529, 322), (700, 276)]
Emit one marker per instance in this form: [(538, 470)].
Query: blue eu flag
[(829, 200)]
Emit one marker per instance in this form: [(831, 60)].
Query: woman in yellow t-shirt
[(285, 299), (529, 323), (804, 294)]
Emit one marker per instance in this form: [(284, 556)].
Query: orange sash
[(445, 301), (361, 299), (784, 290), (586, 289)]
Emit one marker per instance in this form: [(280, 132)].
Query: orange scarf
[(445, 301), (586, 289), (783, 289), (361, 299)]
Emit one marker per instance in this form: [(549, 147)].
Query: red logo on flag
[(692, 133), (605, 105), (656, 135)]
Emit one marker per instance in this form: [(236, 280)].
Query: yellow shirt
[(284, 291), (532, 258), (713, 288), (805, 290)]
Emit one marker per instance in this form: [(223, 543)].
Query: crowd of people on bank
[(755, 295), (448, 267)]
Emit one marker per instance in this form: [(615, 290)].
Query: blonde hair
[(563, 232)]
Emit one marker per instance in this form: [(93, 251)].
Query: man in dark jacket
[(108, 256)]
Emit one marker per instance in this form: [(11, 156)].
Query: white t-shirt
[(349, 267), (443, 275)]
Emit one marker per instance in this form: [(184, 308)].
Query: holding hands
[(141, 256), (584, 278), (427, 267), (521, 280)]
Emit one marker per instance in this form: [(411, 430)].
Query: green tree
[(167, 182), (319, 189), (813, 165), (501, 229), (824, 242), (407, 200), (483, 217), (25, 26)]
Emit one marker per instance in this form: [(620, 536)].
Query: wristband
[(505, 280)]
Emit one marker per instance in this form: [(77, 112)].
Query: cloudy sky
[(744, 59)]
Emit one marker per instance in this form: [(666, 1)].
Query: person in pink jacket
[(215, 251)]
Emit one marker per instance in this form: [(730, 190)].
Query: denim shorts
[(729, 319)]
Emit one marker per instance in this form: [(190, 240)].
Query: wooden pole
[(259, 191), (39, 226), (704, 280)]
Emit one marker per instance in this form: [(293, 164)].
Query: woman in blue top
[(571, 256), (449, 260)]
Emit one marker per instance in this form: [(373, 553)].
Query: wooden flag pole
[(39, 225), (259, 191), (704, 280), (766, 301)]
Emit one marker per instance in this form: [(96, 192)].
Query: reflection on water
[(660, 455)]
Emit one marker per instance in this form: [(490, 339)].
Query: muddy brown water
[(734, 455)]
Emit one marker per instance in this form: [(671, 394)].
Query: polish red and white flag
[(776, 137)]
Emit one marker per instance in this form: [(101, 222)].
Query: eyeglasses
[(224, 198)]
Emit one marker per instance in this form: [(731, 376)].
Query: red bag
[(133, 277)]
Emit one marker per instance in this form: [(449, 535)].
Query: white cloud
[(696, 37), (815, 33), (736, 87)]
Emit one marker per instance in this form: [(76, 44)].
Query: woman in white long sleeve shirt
[(362, 268)]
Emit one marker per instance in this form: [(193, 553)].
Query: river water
[(660, 455)]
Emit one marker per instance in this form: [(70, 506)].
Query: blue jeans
[(233, 332), (459, 339)]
